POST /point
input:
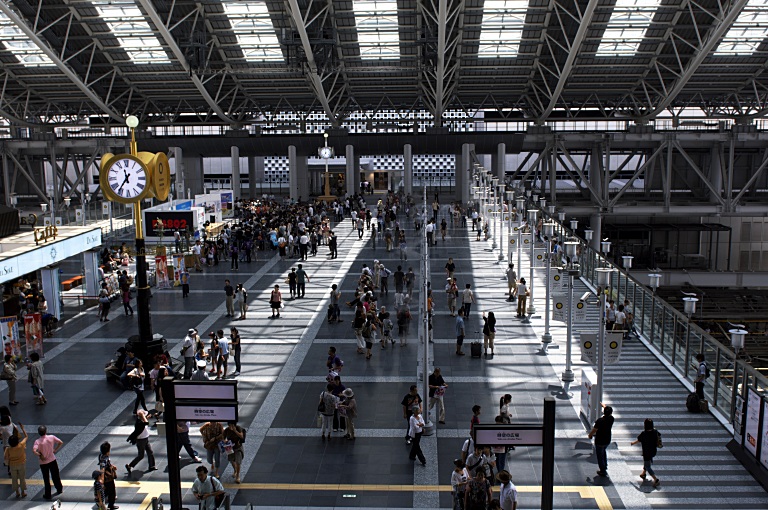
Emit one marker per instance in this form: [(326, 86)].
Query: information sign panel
[(508, 435), (752, 423), (207, 411), (208, 390)]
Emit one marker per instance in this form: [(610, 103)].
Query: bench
[(72, 282), (113, 373)]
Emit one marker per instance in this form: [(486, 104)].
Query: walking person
[(36, 377), (234, 345), (415, 431), (460, 332), (410, 400), (206, 489), (292, 277), (212, 433), (459, 480), (437, 386), (302, 278), (334, 312), (507, 490), (489, 331), (241, 301), (235, 434), (125, 294), (521, 291), (182, 440), (275, 302), (650, 439), (602, 434), (99, 491), (467, 298), (140, 438), (46, 447), (478, 493), (229, 293), (511, 281), (451, 292), (333, 245), (403, 323), (15, 457), (184, 283), (9, 376), (188, 352), (136, 377), (109, 472)]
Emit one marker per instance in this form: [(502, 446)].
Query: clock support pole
[(143, 296)]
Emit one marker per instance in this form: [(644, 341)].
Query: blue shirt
[(459, 326)]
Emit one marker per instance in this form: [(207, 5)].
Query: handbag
[(659, 443), (226, 447), (160, 407), (321, 405)]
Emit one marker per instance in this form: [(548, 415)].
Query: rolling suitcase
[(693, 403), (476, 349)]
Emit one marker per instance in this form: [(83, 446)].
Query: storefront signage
[(508, 435), (168, 221), (43, 235), (206, 411)]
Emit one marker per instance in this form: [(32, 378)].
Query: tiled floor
[(283, 373)]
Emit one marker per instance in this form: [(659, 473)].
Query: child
[(109, 473), (99, 494)]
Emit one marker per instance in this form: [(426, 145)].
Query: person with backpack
[(207, 489), (701, 374), (368, 332), (650, 439)]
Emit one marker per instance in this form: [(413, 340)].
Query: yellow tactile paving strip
[(156, 489)]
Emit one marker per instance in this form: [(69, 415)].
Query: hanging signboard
[(588, 343), (589, 403), (560, 309), (752, 422), (508, 435), (555, 278), (207, 411), (33, 330), (178, 268)]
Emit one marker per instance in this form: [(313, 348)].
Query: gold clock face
[(124, 178)]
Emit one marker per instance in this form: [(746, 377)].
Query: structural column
[(596, 224), (463, 173), (6, 181), (352, 173), (255, 176), (715, 173), (298, 177), (500, 162), (192, 168), (235, 152), (408, 169)]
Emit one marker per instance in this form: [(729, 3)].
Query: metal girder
[(585, 20), (54, 57), (444, 19), (667, 92), (316, 82), (165, 32)]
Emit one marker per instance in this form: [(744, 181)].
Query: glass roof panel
[(19, 44), (503, 22), (377, 30), (748, 31), (254, 30), (626, 28), (132, 31)]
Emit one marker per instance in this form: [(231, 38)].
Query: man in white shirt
[(223, 354), (196, 251), (206, 488), (507, 491), (188, 351)]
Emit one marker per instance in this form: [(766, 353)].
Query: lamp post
[(500, 195), (626, 261), (532, 222), (508, 218), (561, 218), (604, 282), (689, 307), (572, 271), (654, 284), (588, 233), (521, 222), (494, 211), (548, 229), (67, 201)]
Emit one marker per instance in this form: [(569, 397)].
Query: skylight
[(19, 44), (626, 28), (254, 30), (503, 22), (377, 31), (748, 31), (132, 31)]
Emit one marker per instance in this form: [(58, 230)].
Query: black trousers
[(109, 488), (51, 472), (416, 449)]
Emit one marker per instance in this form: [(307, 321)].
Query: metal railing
[(670, 333)]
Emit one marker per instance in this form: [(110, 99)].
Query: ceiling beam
[(54, 57), (714, 36), (565, 73), (314, 77), (149, 7)]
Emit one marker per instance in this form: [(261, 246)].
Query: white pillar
[(463, 172), (235, 153), (408, 169), (501, 161)]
